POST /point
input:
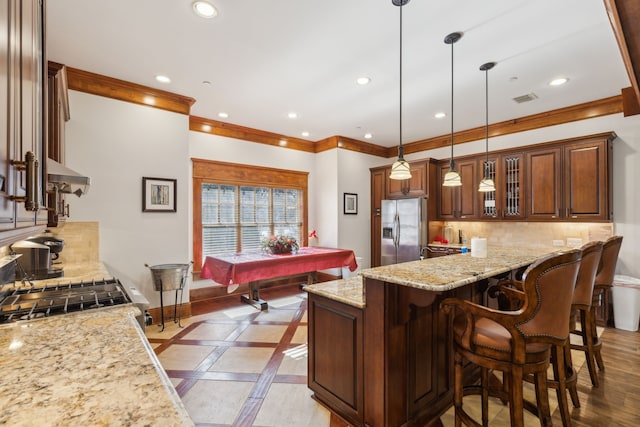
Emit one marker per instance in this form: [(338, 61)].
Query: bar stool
[(519, 342), (561, 356), (602, 283)]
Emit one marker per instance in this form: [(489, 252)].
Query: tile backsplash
[(533, 234), (81, 242)]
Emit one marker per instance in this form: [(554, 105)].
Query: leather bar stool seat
[(518, 343)]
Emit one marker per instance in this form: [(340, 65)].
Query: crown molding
[(97, 84)]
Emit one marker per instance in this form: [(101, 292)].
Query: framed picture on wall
[(350, 204), (158, 194)]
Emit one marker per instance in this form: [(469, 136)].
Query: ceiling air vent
[(525, 98)]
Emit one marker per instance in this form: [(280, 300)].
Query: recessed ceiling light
[(163, 79), (206, 128), (305, 133), (204, 9), (292, 115), (440, 115), (283, 143), (558, 82), (206, 82), (223, 115), (368, 136), (363, 80)]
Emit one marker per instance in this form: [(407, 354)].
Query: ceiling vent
[(525, 98)]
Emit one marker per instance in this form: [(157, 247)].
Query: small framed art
[(350, 204), (158, 194)]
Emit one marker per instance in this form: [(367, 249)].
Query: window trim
[(212, 171)]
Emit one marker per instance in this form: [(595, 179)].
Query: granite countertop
[(453, 271), (93, 367), (432, 274), (348, 291)]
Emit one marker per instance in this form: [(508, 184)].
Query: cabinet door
[(416, 186), (586, 181), (468, 191), (446, 195), (511, 182), (490, 201), (378, 178), (336, 355), (544, 184), (458, 202), (9, 74)]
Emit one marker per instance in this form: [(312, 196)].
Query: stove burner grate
[(37, 302)]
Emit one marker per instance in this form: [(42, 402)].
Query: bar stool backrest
[(608, 261), (591, 255)]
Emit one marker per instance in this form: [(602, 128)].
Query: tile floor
[(236, 366)]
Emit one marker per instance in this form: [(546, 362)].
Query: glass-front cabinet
[(507, 172)]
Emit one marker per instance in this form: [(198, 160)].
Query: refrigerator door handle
[(396, 237)]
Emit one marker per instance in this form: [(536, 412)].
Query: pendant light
[(452, 178), (486, 185), (400, 169)]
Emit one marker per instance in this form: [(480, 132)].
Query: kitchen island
[(92, 367), (380, 349)]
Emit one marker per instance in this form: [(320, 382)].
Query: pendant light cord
[(400, 148), (486, 110), (452, 168)]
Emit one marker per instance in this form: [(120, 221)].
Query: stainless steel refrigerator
[(404, 230)]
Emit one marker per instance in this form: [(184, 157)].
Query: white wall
[(116, 144)]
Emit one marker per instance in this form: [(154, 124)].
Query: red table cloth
[(254, 266)]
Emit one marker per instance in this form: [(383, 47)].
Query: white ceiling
[(265, 58)]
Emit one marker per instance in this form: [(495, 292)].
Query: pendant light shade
[(452, 178), (400, 169), (486, 185)]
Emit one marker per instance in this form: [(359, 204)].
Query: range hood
[(66, 180)]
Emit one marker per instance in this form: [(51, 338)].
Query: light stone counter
[(432, 274), (348, 291), (453, 271), (90, 368)]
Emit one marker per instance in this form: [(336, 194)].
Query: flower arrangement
[(281, 244)]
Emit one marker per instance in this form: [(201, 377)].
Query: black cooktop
[(36, 302)]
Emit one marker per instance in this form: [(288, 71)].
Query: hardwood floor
[(615, 403)]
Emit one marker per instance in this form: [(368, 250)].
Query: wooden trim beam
[(96, 84), (625, 18), (589, 110), (230, 130)]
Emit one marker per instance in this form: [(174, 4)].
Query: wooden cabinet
[(336, 356), (544, 192), (22, 174), (415, 186), (378, 178), (459, 202), (587, 185), (565, 180), (570, 181), (507, 172)]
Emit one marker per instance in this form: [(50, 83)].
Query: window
[(237, 206), (238, 218)]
